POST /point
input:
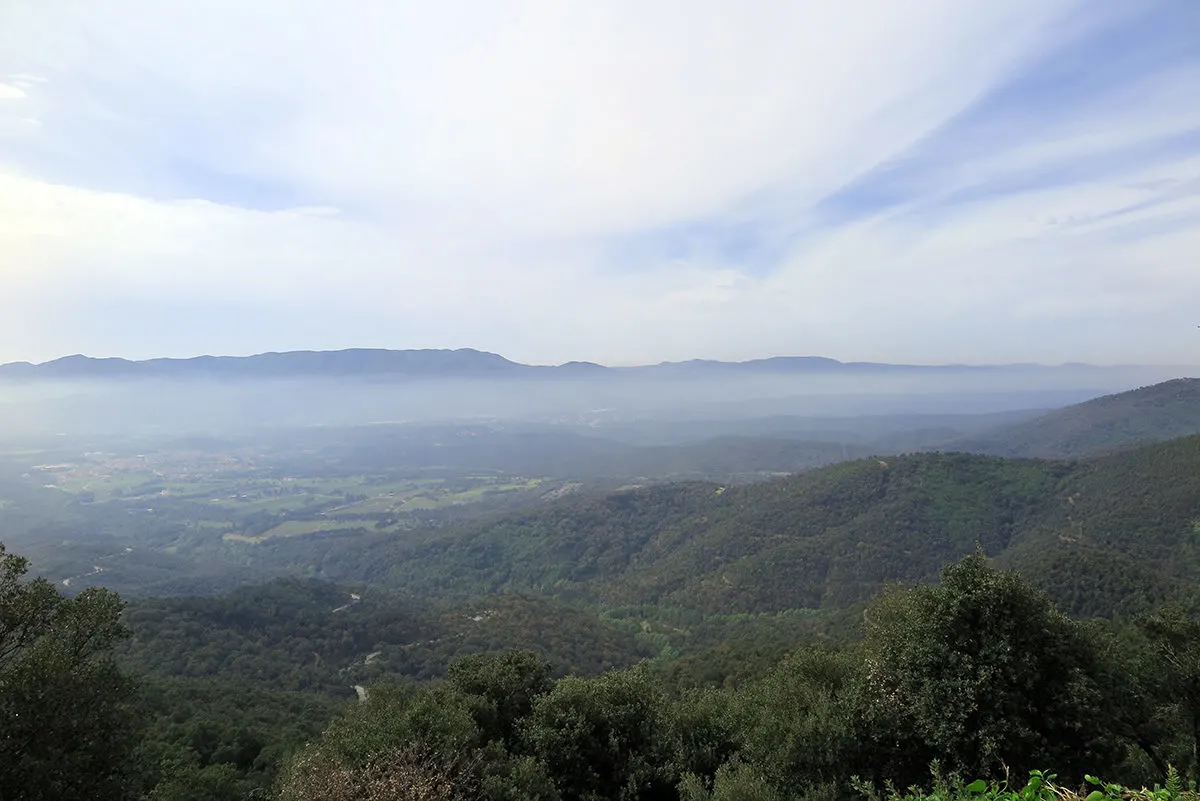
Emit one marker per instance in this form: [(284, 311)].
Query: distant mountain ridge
[(351, 362), (432, 363)]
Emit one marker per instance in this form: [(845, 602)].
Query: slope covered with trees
[(67, 722), (678, 641), (1158, 412), (980, 677), (1104, 535), (979, 674), (313, 636)]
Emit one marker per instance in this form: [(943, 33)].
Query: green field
[(249, 497), (292, 528), (253, 505)]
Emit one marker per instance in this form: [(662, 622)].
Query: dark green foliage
[(1174, 638), (222, 734), (437, 718), (606, 738), (981, 673), (803, 724), (707, 730), (573, 637), (503, 688), (67, 727), (1132, 682), (309, 635), (556, 549), (1113, 535), (183, 780), (714, 584), (825, 538), (289, 634)]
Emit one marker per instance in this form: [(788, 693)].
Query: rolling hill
[(308, 635), (1105, 535), (1159, 412)]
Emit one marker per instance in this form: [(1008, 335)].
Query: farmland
[(247, 498), (202, 515)]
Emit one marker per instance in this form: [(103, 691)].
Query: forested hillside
[(204, 515), (977, 677), (1104, 535), (309, 635), (1159, 412), (680, 641)]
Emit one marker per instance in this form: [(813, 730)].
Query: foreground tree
[(1174, 636), (801, 724), (501, 688), (67, 723), (405, 772), (607, 738), (981, 673), (409, 743)]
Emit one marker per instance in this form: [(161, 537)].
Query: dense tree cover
[(288, 634), (1173, 637), (825, 539), (979, 673), (979, 676), (713, 585), (67, 724), (982, 672), (212, 740), (299, 634), (731, 650)]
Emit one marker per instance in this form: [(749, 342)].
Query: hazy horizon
[(204, 405)]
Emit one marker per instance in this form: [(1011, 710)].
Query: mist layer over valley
[(184, 476), (91, 397)]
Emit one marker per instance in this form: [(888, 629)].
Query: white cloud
[(10, 92), (460, 168), (546, 116)]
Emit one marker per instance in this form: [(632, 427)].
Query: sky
[(919, 181)]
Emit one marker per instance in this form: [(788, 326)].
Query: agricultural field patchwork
[(242, 496)]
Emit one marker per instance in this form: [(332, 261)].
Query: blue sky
[(921, 181)]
